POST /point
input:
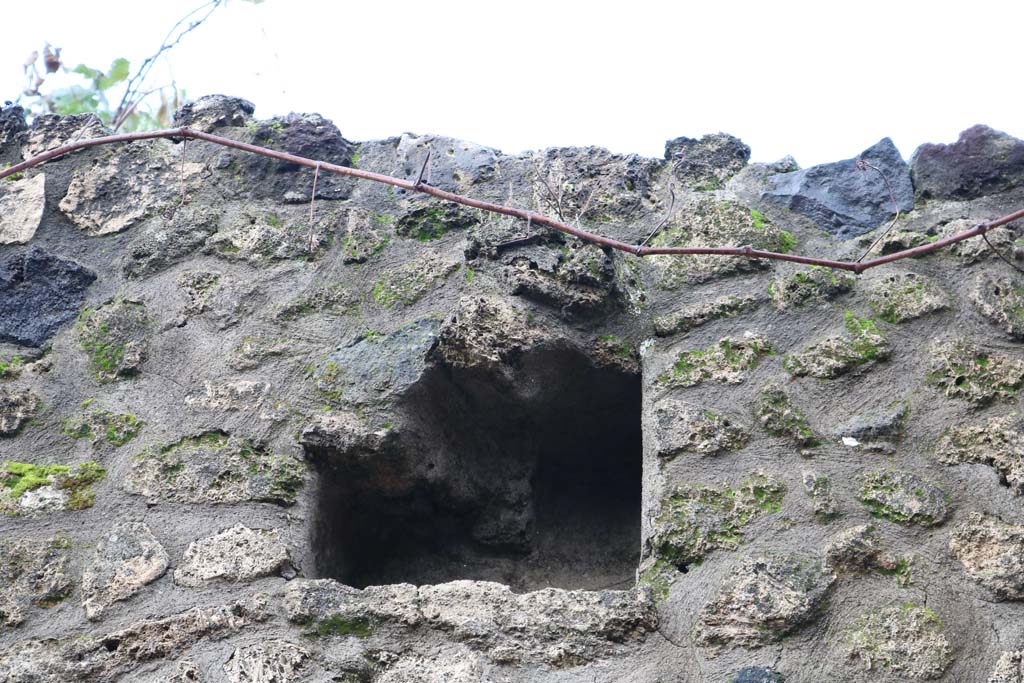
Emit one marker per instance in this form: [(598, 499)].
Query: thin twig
[(312, 205), (423, 169), (532, 217), (668, 214), (1000, 254), (181, 173), (861, 165)]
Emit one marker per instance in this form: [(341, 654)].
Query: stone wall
[(408, 441)]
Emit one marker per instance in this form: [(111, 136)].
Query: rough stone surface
[(992, 553), (237, 554), (726, 362), (39, 293), (35, 576), (998, 443), (762, 600), (962, 370), (22, 202), (903, 497), (835, 356), (758, 674), (16, 408), (682, 428), (982, 161), (907, 641), (818, 488), (1009, 668), (275, 661), (844, 199), (804, 287), (700, 314), (1000, 298), (904, 296), (124, 561), (777, 415), (706, 164), (215, 111)]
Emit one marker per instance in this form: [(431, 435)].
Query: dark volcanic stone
[(981, 162), (215, 111), (757, 674), (39, 292), (12, 122), (843, 199)]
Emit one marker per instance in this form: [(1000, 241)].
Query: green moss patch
[(836, 356), (340, 625), (727, 362), (778, 416), (902, 497), (962, 370), (116, 429), (17, 478), (807, 286), (433, 222)]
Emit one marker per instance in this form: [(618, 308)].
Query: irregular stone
[(211, 112), (455, 165), (904, 296), (486, 332), (262, 237), (706, 164), (237, 554), (167, 238), (727, 362), (12, 123), (694, 520), (1009, 668), (1000, 298), (433, 220), (907, 640), (411, 281), (365, 234), (341, 432), (374, 367), (252, 351), (214, 468), (709, 222), (39, 293), (998, 443), (335, 299), (580, 279), (757, 674), (16, 408), (272, 661), (103, 426), (975, 250), (982, 161), (684, 428), (22, 202), (819, 488), (885, 424), (33, 573), (610, 350), (778, 416), (553, 626), (119, 189), (836, 356), (694, 316), (116, 338), (816, 284), (53, 130), (992, 553), (198, 286), (186, 672), (855, 549), (27, 488), (847, 198), (903, 497), (762, 600), (126, 558), (962, 370)]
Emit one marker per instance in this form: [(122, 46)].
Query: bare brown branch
[(530, 216)]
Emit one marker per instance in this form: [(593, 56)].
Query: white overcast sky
[(819, 80)]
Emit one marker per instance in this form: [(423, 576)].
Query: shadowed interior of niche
[(530, 478)]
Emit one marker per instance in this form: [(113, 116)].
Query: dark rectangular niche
[(530, 477)]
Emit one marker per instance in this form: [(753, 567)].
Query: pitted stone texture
[(1000, 298), (168, 238), (112, 656), (804, 287), (818, 488), (904, 296), (363, 234), (125, 559), (21, 208), (115, 336), (727, 362), (998, 443), (906, 642), (775, 412), (992, 553), (552, 626), (762, 600), (12, 125), (237, 554), (455, 165), (982, 161), (33, 573), (903, 497), (757, 674), (39, 293), (119, 189), (706, 164), (273, 661), (486, 332), (215, 111), (855, 549), (963, 370), (1009, 668), (16, 408), (52, 130), (683, 428), (214, 468), (836, 356), (699, 314), (844, 199)]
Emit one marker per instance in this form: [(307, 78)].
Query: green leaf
[(91, 74), (118, 72)]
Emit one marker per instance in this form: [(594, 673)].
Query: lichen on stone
[(904, 296), (726, 362), (836, 356), (335, 298), (1000, 298), (683, 428), (998, 443), (237, 554), (695, 520), (902, 497), (963, 370), (115, 337), (775, 412), (214, 467), (27, 488), (818, 488), (699, 314), (411, 281), (433, 220), (16, 409), (801, 288), (906, 639), (116, 429)]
